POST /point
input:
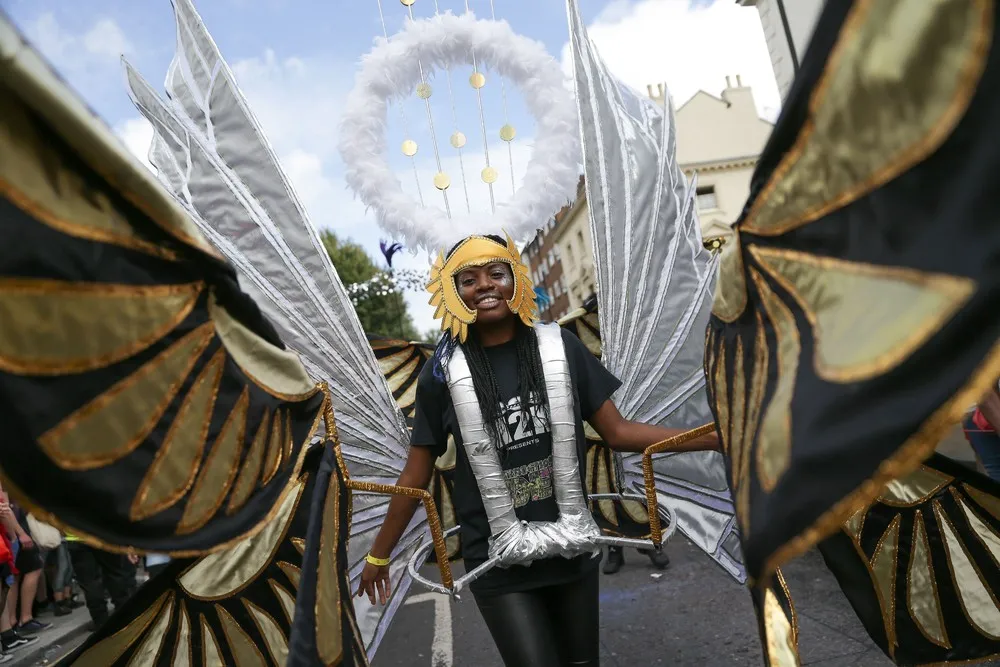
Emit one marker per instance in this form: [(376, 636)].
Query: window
[(555, 251), (570, 255), (579, 238), (706, 198)]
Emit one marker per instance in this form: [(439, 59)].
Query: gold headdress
[(478, 251)]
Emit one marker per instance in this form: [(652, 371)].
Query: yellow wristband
[(378, 562)]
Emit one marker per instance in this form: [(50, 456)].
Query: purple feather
[(388, 250)]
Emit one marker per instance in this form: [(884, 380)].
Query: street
[(692, 615)]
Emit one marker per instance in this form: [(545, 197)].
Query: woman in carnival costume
[(514, 395)]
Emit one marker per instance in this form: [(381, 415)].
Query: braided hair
[(530, 380)]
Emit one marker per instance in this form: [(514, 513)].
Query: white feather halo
[(392, 71)]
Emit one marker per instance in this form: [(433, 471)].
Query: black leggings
[(554, 626)]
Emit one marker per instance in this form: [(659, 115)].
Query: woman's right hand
[(374, 579)]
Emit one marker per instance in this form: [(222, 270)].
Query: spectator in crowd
[(981, 426), (14, 536), (59, 571), (29, 563), (100, 574)]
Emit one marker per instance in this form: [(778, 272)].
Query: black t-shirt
[(526, 460)]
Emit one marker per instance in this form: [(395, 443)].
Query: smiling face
[(486, 290)]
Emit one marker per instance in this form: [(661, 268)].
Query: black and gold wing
[(146, 402), (401, 363), (921, 565), (855, 317), (254, 605)]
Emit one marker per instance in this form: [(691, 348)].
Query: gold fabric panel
[(276, 371), (737, 446), (293, 572), (244, 650), (225, 573), (176, 463), (34, 177), (916, 488), (211, 656), (299, 544), (274, 449), (781, 644), (328, 622), (990, 503), (41, 322), (983, 532), (774, 444), (866, 318), (182, 644), (722, 400), (977, 600), (600, 472), (113, 424), (758, 387), (922, 590), (149, 650), (883, 568), (246, 482), (890, 96), (731, 288), (854, 525), (220, 468), (108, 650), (277, 645), (286, 599), (398, 377)]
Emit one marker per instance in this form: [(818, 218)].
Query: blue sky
[(296, 59)]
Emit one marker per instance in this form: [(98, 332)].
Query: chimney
[(739, 81), (729, 84), (662, 90), (649, 89)]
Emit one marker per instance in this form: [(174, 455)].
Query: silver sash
[(517, 542)]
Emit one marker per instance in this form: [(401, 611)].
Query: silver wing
[(210, 151), (655, 282)]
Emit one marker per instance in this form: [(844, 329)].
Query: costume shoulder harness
[(514, 541)]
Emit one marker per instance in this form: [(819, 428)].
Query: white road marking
[(442, 652)]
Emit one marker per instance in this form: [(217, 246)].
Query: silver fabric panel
[(521, 542), (654, 285), (211, 153)]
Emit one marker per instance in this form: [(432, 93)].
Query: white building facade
[(788, 27)]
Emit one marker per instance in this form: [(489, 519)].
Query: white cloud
[(690, 48), (106, 39), (101, 44)]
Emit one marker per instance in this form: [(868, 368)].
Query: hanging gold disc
[(409, 148), (424, 90), (457, 139), (507, 133), (477, 80), (441, 180), (489, 175)]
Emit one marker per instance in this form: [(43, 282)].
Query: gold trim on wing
[(887, 99), (53, 327), (108, 650), (782, 650), (774, 444), (866, 319), (455, 316), (218, 471), (178, 457), (278, 372), (35, 178), (223, 574), (329, 638), (113, 424)]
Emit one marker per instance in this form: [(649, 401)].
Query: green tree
[(380, 315)]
